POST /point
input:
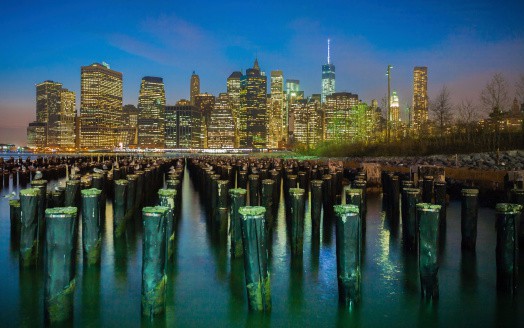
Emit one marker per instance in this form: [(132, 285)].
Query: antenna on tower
[(328, 51)]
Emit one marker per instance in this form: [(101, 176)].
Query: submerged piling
[(238, 200), (468, 218), (348, 243), (99, 182), (91, 219), (14, 217), (29, 227), (59, 263), (410, 198), (256, 270), (507, 251), (316, 204), (119, 207), (72, 194), (267, 199), (167, 198), (428, 220), (154, 260), (297, 220), (254, 190)]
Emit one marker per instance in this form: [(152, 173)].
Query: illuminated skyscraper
[(47, 100), (183, 126), (56, 109), (100, 106), (36, 135), (130, 121), (151, 106), (205, 102), (194, 88), (253, 106), (293, 94), (61, 124), (233, 91), (307, 122), (337, 116), (221, 128), (328, 77), (395, 109), (420, 97), (277, 114)]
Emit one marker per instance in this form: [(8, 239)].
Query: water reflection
[(296, 284), (31, 291), (90, 300)]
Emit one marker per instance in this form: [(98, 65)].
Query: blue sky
[(463, 43)]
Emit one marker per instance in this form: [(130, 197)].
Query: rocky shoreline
[(503, 161)]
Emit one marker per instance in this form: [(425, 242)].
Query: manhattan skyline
[(462, 46)]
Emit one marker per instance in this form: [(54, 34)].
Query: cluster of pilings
[(254, 188), (46, 222), (422, 207), (241, 198)]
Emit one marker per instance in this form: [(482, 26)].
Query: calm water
[(206, 288)]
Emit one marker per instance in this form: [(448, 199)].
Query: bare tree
[(494, 97), (519, 86), (467, 112), (441, 109)]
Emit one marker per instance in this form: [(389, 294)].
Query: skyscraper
[(420, 97), (293, 95), (328, 77), (151, 106), (233, 91), (221, 128), (47, 100), (253, 106), (130, 121), (194, 88), (61, 124), (338, 116), (100, 106), (277, 114), (55, 113), (183, 126), (307, 122), (205, 103)]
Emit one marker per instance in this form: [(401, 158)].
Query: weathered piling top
[(30, 192), (353, 191), (508, 208), (132, 177), (296, 191), (237, 191), (251, 212), (317, 183), (154, 212), (121, 182), (342, 210), (72, 182), (93, 192), (14, 203), (470, 192), (167, 192), (268, 181), (427, 207), (61, 212), (38, 182), (412, 190)]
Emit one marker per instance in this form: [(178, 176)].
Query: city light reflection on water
[(206, 287)]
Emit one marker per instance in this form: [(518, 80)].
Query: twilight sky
[(463, 43)]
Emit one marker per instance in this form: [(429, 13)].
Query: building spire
[(328, 52), (255, 65)]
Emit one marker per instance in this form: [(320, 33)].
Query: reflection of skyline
[(463, 46)]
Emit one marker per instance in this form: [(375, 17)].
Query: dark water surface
[(206, 288)]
